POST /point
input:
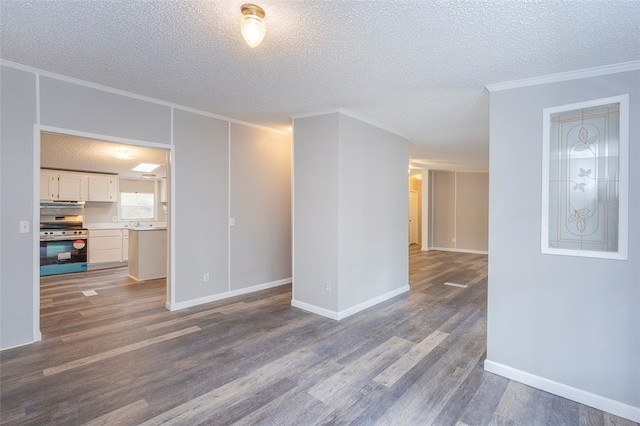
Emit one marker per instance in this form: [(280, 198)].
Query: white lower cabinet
[(105, 245), (125, 245)]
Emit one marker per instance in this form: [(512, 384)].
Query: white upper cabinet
[(72, 187), (48, 185), (57, 185), (63, 186), (103, 188)]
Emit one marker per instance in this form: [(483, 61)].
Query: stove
[(57, 234), (63, 240)]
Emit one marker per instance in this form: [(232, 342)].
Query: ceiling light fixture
[(145, 167), (253, 28), (122, 154)]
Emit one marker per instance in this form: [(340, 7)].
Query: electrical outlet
[(453, 240), (205, 278), (114, 218), (327, 286), (232, 221)]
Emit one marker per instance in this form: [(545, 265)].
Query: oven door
[(63, 256)]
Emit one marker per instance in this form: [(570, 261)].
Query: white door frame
[(38, 128)]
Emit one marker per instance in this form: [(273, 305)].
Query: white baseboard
[(20, 344), (348, 312), (107, 265), (578, 395), (315, 309), (214, 297), (457, 250)]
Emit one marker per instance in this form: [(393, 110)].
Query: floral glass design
[(585, 179)]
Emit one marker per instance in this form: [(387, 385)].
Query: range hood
[(62, 205)]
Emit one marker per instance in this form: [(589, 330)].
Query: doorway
[(415, 209), (93, 156), (413, 217)]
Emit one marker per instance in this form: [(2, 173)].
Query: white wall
[(201, 205), (17, 115), (315, 210), (569, 325), (260, 206), (459, 211), (373, 212), (350, 214), (201, 187)]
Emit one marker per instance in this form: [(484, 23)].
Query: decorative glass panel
[(585, 157)]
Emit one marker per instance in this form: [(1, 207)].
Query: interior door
[(413, 217)]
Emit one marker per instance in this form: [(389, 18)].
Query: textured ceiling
[(86, 155), (419, 67)]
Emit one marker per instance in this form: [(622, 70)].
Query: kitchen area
[(102, 205)]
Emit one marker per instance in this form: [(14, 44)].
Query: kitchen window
[(137, 205)]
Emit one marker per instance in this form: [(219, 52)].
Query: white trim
[(171, 182), (455, 209), (424, 240), (37, 334), (352, 115), (107, 138), (293, 213), (229, 207), (432, 182), (35, 238), (369, 303), (231, 120), (226, 295), (350, 311), (17, 345), (108, 89), (37, 76), (578, 395), (623, 207), (447, 166), (315, 113), (171, 228), (565, 76), (458, 250), (315, 309)]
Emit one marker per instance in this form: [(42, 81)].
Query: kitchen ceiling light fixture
[(253, 28), (122, 154), (145, 167)]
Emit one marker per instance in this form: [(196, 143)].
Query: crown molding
[(108, 89), (565, 76), (351, 114)]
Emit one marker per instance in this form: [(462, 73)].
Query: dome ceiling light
[(253, 28)]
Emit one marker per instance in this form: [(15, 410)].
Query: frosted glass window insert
[(585, 179)]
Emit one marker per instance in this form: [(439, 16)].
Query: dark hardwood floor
[(120, 358)]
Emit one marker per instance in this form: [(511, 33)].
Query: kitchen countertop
[(147, 228), (126, 225)]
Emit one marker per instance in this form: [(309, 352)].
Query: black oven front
[(63, 251)]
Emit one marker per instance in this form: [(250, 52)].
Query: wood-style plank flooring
[(120, 358)]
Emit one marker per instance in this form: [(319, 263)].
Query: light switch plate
[(232, 221)]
